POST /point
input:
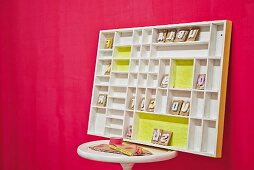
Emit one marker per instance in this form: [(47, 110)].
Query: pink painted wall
[(47, 58)]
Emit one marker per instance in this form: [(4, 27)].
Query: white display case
[(139, 63)]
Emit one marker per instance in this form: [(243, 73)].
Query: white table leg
[(127, 166)]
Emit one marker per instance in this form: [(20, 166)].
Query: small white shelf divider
[(139, 63)]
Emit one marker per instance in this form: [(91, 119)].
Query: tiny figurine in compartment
[(109, 43), (131, 104), (182, 35), (185, 109), (165, 137), (129, 132), (142, 104), (201, 81), (162, 35), (151, 105), (156, 135), (193, 34), (171, 36), (102, 100), (164, 81), (176, 106), (108, 69)]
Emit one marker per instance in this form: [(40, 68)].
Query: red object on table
[(115, 141)]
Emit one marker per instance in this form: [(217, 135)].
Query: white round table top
[(158, 155)]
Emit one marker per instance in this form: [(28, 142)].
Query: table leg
[(127, 166)]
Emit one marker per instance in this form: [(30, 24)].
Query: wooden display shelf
[(138, 64)]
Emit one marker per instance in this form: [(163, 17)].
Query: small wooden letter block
[(156, 135), (151, 105), (165, 138), (176, 106), (109, 43), (129, 132), (131, 104), (185, 109), (193, 34), (164, 81), (107, 70), (201, 81), (102, 100), (181, 35), (162, 36), (142, 104), (171, 36)]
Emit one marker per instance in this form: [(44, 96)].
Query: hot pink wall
[(47, 58)]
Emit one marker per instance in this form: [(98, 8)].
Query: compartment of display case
[(145, 123), (147, 36), (145, 52), (195, 135), (97, 121), (162, 105), (119, 79), (116, 103), (102, 67), (213, 74), (209, 137), (123, 37), (198, 104), (133, 80), (117, 92), (211, 105), (104, 36), (136, 52), (181, 74), (200, 70), (137, 39), (143, 66), (142, 80), (154, 66)]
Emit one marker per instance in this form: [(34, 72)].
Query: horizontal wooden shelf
[(101, 107), (161, 114), (179, 89), (120, 72), (118, 97), (102, 75), (105, 58), (120, 58), (122, 45), (168, 147), (112, 108), (115, 117), (114, 127), (209, 119), (106, 50), (153, 144), (181, 43)]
